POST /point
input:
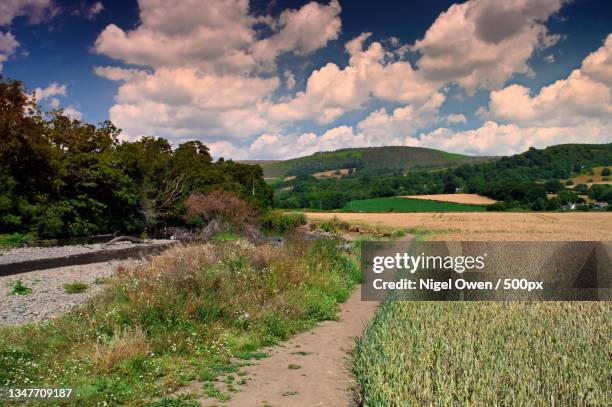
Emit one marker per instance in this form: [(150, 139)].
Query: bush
[(13, 240), (605, 172), (231, 212), (75, 288), (20, 289), (281, 222)]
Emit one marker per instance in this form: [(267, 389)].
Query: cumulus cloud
[(289, 79), (35, 10), (504, 139), (332, 91), (455, 118), (584, 95), (301, 31), (577, 109), (184, 103), (220, 37), (53, 89), (8, 45), (199, 79), (482, 43), (280, 146), (115, 73), (382, 128)]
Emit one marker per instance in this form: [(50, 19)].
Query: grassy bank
[(409, 205), (437, 353), (181, 317)]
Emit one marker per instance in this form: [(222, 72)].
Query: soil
[(311, 369)]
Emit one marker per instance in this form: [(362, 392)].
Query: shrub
[(281, 222), (13, 240), (126, 345), (230, 211), (75, 288), (605, 172), (20, 289)]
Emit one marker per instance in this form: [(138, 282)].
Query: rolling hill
[(370, 158)]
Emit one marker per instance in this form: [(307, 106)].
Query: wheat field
[(503, 226), (473, 199)]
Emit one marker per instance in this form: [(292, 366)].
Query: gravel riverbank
[(48, 298), (35, 253)]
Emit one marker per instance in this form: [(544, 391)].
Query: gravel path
[(34, 253), (48, 298)]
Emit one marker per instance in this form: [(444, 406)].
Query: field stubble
[(504, 226)]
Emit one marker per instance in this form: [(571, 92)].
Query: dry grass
[(490, 225), (128, 344), (339, 173), (473, 199), (584, 178)]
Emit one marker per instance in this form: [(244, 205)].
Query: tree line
[(62, 177), (521, 181)]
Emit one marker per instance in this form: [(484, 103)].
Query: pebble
[(48, 298)]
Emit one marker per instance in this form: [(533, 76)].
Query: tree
[(605, 172)]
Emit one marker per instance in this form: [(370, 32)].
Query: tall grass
[(453, 353), (180, 317)]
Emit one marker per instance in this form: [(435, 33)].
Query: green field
[(409, 205), (486, 353)]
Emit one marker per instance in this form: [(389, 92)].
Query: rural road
[(323, 377)]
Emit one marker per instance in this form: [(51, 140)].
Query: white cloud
[(332, 91), (504, 139), (219, 37), (72, 112), (391, 129), (94, 10), (598, 65), (584, 95), (482, 43), (8, 45), (577, 109), (455, 118), (53, 89), (279, 146), (183, 103), (35, 10), (289, 79), (115, 73), (301, 31)]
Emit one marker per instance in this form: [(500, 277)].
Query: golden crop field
[(473, 199), (490, 225)]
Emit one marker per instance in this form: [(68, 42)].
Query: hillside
[(521, 181), (369, 158)]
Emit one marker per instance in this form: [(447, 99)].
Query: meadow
[(409, 205), (186, 315)]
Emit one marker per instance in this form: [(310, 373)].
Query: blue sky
[(273, 79)]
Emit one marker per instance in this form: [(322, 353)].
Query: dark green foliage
[(605, 172), (371, 158), (409, 205), (519, 181), (19, 289), (61, 177), (281, 222)]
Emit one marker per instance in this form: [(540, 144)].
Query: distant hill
[(370, 158)]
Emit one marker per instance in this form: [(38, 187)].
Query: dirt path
[(320, 373)]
